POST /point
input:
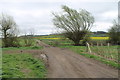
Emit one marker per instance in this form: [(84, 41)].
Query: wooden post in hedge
[(97, 44), (101, 44), (108, 44), (88, 47)]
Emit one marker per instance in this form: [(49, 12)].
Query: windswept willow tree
[(75, 24), (8, 29)]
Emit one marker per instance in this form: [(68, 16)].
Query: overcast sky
[(36, 15)]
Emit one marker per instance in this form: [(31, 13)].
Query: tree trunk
[(76, 43), (5, 39)]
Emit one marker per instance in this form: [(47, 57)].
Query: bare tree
[(8, 29), (28, 38), (75, 24)]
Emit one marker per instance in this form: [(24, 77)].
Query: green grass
[(59, 42), (22, 66), (75, 48), (22, 48), (110, 51), (111, 63), (29, 40)]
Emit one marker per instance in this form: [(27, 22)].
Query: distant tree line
[(100, 32)]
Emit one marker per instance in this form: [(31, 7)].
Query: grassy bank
[(82, 51), (22, 66)]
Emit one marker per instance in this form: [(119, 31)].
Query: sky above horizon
[(36, 15)]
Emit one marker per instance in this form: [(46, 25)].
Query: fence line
[(90, 49)]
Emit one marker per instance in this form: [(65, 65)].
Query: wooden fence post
[(88, 47)]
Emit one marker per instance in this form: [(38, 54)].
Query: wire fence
[(108, 51)]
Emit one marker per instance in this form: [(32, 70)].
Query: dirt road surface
[(64, 63)]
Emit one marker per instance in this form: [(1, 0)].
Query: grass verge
[(22, 66), (81, 50)]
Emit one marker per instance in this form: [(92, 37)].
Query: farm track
[(64, 63)]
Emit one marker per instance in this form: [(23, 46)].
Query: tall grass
[(110, 52)]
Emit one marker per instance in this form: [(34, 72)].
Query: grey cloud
[(38, 15)]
